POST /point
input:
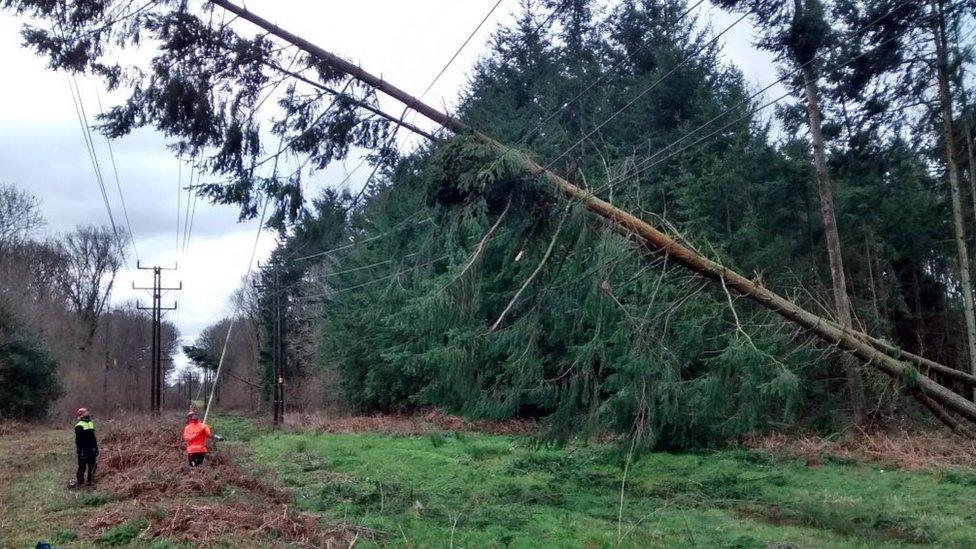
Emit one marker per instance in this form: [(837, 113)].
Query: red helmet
[(81, 412)]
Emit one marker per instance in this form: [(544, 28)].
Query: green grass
[(36, 505), (492, 491)]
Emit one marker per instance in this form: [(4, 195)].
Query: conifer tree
[(798, 32)]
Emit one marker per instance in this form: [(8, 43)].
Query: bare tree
[(239, 385), (20, 215), (91, 261)]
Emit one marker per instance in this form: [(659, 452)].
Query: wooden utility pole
[(955, 193), (156, 360), (273, 271), (857, 343)]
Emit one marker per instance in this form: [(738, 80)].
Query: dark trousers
[(86, 466), (196, 459)]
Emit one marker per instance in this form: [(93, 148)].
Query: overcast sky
[(42, 148)]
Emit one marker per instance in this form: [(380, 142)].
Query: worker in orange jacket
[(195, 435)]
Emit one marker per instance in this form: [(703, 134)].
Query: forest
[(456, 279), (616, 291)]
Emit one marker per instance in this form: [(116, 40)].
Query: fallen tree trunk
[(846, 339), (919, 361), (939, 412)]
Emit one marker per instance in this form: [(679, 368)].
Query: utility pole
[(157, 289), (277, 337)]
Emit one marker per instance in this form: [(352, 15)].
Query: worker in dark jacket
[(86, 446)]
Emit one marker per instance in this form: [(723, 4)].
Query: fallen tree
[(870, 350), (174, 105)]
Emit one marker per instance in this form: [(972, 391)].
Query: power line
[(651, 161), (375, 280), (340, 273), (538, 126), (179, 196), (398, 226), (604, 75), (406, 109), (86, 133), (461, 47), (118, 184), (191, 199), (193, 215), (247, 276), (401, 225), (233, 318), (646, 90)]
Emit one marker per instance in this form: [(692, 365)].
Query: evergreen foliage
[(28, 374), (459, 281)]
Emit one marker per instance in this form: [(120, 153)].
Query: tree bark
[(652, 237), (972, 167), (874, 290), (842, 303), (949, 144)]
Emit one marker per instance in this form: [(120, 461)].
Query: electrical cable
[(118, 184), (407, 109), (651, 161), (374, 281), (89, 142), (398, 226), (647, 90)]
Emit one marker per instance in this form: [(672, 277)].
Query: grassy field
[(467, 489)]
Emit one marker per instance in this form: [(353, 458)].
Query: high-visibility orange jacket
[(195, 435)]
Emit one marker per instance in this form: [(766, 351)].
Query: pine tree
[(799, 33)]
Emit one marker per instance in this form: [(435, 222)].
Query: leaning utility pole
[(277, 338), (156, 360)]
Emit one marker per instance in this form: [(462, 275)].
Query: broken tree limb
[(649, 235), (484, 240), (535, 272)]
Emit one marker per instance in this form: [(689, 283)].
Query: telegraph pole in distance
[(157, 289), (277, 337)]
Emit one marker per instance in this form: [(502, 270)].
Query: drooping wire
[(401, 225), (233, 318), (643, 92), (522, 141), (654, 160), (118, 184), (407, 109), (92, 155), (179, 204), (375, 280)]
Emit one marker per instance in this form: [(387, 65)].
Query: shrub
[(28, 373)]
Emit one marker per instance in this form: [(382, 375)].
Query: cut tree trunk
[(842, 303), (653, 238), (958, 227)]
